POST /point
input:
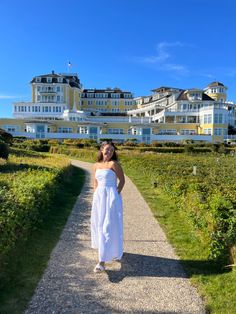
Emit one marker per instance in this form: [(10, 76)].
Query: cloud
[(161, 61), (231, 72), (4, 96), (208, 75)]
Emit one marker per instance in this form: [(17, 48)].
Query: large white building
[(61, 108)]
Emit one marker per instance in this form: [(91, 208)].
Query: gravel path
[(150, 278)]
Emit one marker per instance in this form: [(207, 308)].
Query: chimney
[(52, 72)]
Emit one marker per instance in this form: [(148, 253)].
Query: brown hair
[(100, 154)]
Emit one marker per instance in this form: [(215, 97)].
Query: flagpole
[(68, 66)]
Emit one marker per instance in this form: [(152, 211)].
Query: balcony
[(119, 137), (47, 92)]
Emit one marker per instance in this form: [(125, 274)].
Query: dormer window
[(60, 79), (49, 80), (195, 96), (38, 79)]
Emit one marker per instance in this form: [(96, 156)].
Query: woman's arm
[(95, 182), (120, 175)]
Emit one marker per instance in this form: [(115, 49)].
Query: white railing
[(122, 137), (230, 137)]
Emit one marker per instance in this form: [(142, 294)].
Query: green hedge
[(25, 195), (4, 150)]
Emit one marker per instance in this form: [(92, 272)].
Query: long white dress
[(107, 217)]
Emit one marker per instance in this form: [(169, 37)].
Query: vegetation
[(4, 150), (198, 214), (5, 141), (37, 194), (193, 197)]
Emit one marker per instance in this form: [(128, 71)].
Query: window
[(38, 88), (58, 88), (49, 80), (90, 95), (115, 131), (187, 132), (146, 131), (209, 118), (60, 79), (58, 98), (38, 79), (167, 132), (135, 131), (93, 130), (218, 118), (11, 128), (115, 95), (115, 103), (127, 96), (207, 131), (218, 131), (64, 130), (83, 130)]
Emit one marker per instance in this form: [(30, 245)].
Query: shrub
[(156, 144), (189, 148), (4, 150), (25, 196), (130, 142), (5, 136)]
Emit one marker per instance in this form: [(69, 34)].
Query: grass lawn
[(23, 267), (216, 285)]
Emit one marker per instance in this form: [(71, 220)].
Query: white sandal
[(99, 268)]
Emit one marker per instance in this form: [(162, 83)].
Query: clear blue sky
[(136, 45)]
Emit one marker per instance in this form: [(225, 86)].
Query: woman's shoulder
[(95, 166), (115, 164)]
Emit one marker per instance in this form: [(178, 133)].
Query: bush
[(189, 148), (36, 145), (156, 144), (130, 142), (6, 137), (25, 195), (4, 150)]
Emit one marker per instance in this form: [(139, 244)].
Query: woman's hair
[(100, 154)]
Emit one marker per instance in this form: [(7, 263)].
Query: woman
[(107, 208)]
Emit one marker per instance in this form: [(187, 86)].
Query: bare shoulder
[(95, 166), (116, 165)]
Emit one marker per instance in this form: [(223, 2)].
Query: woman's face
[(107, 152)]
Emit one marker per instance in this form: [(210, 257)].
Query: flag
[(69, 64)]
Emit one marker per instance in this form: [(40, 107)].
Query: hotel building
[(62, 109)]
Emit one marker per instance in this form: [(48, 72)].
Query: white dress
[(107, 217)]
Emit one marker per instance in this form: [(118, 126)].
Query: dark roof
[(72, 79), (164, 89), (107, 90), (183, 96), (215, 84), (206, 97)]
